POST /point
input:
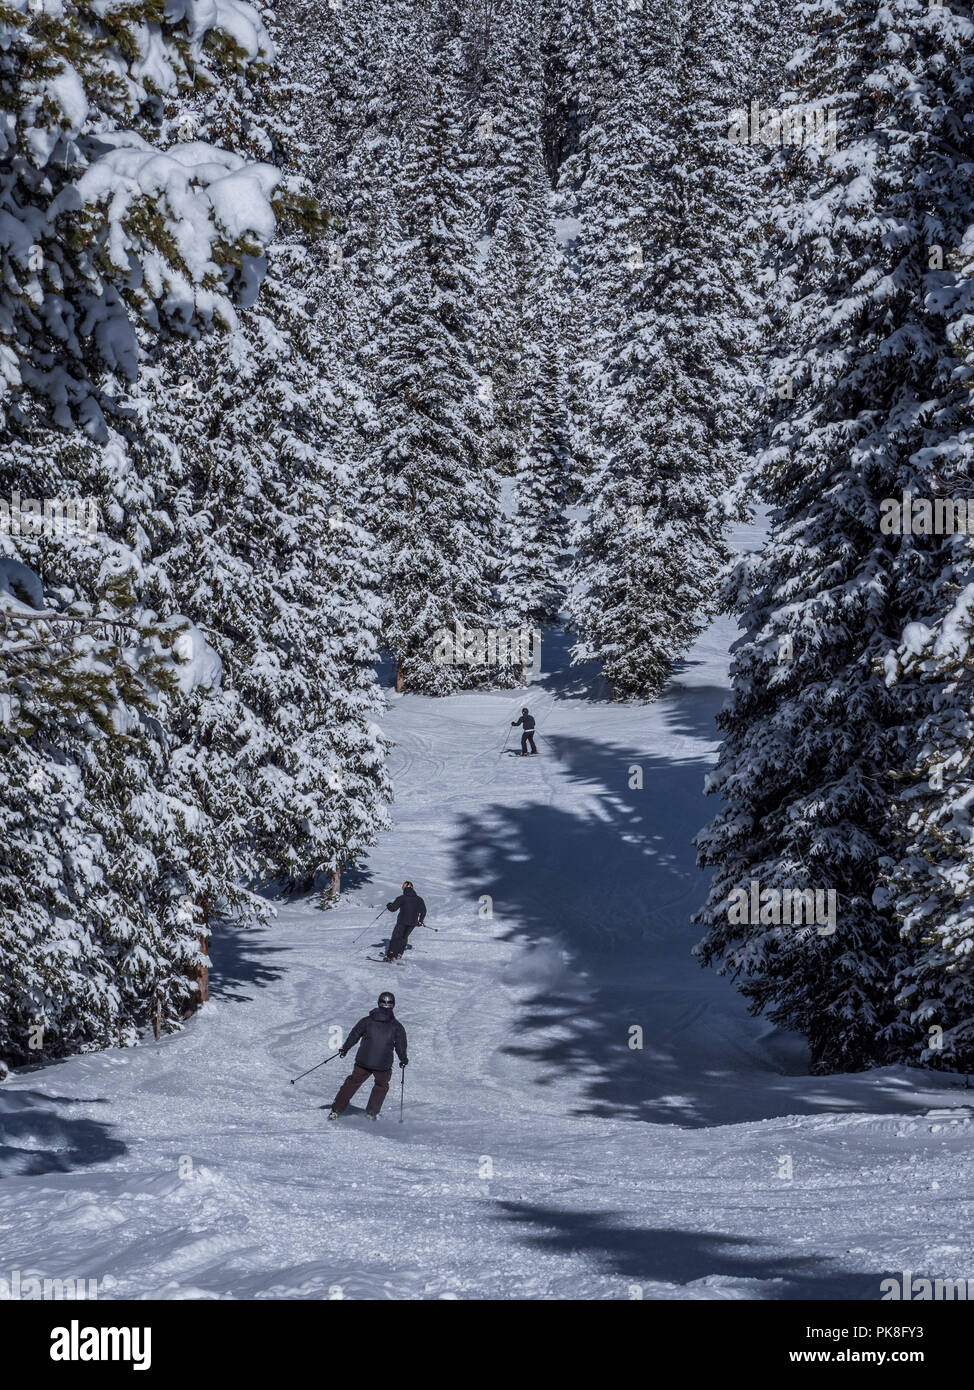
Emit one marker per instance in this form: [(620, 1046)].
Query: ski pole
[(428, 928), (402, 1091), (507, 738), (320, 1064), (365, 929)]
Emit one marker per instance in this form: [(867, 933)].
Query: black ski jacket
[(381, 1032), (410, 906), (527, 720)]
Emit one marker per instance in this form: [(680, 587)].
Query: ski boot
[(334, 1115), (370, 1116)]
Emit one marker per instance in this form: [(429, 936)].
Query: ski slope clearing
[(540, 1156)]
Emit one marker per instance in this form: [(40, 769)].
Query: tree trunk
[(200, 974), (204, 970), (400, 680)]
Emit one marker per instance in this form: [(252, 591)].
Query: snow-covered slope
[(541, 1155)]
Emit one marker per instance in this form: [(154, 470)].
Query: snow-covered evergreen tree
[(437, 501), (101, 229), (533, 582), (281, 579), (663, 270), (930, 884), (815, 738), (579, 39), (96, 864), (147, 775), (516, 280), (104, 235), (931, 879)]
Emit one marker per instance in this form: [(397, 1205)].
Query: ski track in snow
[(540, 1156)]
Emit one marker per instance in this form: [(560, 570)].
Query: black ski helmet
[(407, 883), (525, 710), (387, 1000)]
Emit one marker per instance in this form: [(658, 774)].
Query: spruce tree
[(437, 502), (103, 230), (280, 579), (929, 882), (664, 272), (815, 736), (95, 867)]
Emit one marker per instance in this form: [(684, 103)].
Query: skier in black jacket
[(412, 913), (528, 736), (381, 1034)]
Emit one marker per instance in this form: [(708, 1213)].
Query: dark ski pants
[(351, 1084), (526, 738), (400, 936)]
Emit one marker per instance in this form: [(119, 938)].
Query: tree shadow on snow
[(354, 879), (241, 957), (36, 1139), (563, 680), (600, 900), (665, 1256), (691, 712), (688, 709)]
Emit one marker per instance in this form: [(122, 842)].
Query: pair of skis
[(384, 960)]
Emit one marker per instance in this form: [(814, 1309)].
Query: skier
[(412, 913), (527, 719), (381, 1033)]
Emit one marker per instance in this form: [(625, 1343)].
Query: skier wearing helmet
[(412, 913), (527, 720), (379, 1035)]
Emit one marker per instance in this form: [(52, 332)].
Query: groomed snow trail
[(541, 1156)]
